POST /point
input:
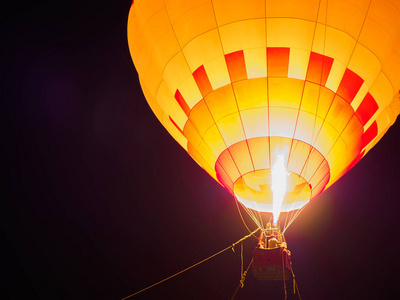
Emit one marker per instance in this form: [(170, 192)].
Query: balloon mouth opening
[(255, 191), (248, 176)]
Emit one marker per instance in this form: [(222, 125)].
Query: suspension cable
[(294, 217), (250, 212), (196, 264), (241, 216)]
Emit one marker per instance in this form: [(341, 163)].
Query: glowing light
[(278, 187)]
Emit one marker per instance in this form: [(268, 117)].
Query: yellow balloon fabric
[(239, 84)]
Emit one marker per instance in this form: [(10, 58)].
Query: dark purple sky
[(100, 202)]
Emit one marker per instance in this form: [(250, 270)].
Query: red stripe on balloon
[(202, 81), (369, 135), (367, 109), (182, 102), (278, 62), (349, 86), (176, 125), (236, 65), (319, 67)]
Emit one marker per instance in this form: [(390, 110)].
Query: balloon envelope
[(242, 85)]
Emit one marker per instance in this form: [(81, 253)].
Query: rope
[(196, 264), (283, 272), (295, 286), (242, 279), (241, 259)]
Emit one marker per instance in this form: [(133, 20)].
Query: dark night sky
[(98, 201)]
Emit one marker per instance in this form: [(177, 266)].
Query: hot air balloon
[(276, 100)]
